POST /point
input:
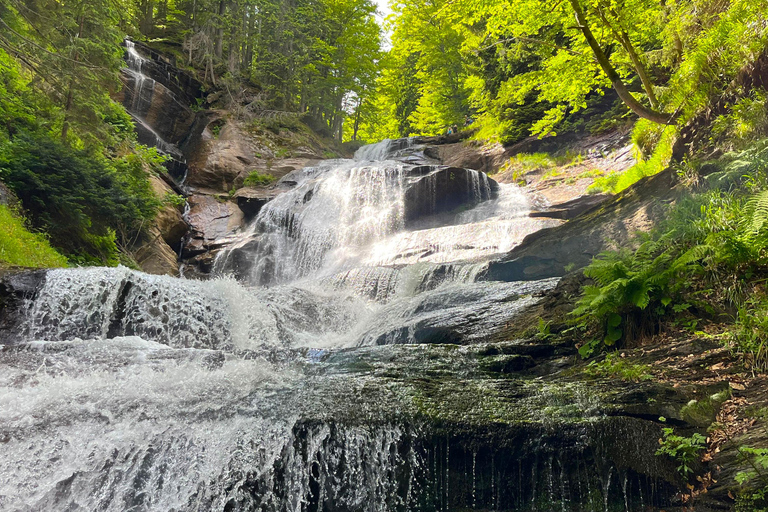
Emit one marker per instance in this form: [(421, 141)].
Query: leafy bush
[(753, 498), (718, 237), (20, 247), (257, 179), (86, 202), (634, 290), (683, 450)]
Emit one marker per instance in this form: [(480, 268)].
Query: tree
[(73, 49), (573, 63)]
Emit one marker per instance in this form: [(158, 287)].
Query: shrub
[(683, 450), (80, 198), (753, 495), (718, 237)]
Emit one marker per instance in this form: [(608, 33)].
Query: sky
[(383, 8), (384, 11)]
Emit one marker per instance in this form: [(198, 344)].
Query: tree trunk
[(147, 17), (621, 89), (218, 48), (621, 35), (357, 118), (249, 34), (70, 91)]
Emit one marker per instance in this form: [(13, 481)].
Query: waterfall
[(142, 91), (345, 216), (346, 370)]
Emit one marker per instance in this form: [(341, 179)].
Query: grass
[(257, 179), (20, 247)]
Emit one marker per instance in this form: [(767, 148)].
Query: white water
[(135, 392), (348, 216), (141, 98)]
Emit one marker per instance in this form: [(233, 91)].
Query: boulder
[(438, 189), (169, 220), (156, 256), (611, 225), (251, 199), (218, 162), (470, 155), (573, 208), (210, 219)]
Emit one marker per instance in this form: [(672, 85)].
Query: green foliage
[(80, 198), (72, 50), (746, 121), (650, 139), (711, 46), (750, 337), (66, 149), (634, 289), (614, 366), (753, 482), (174, 199), (523, 163), (683, 450), (257, 179), (20, 247), (719, 236)]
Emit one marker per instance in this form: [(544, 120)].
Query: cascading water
[(141, 92), (124, 391)]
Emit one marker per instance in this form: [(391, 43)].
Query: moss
[(257, 179), (615, 366), (702, 412)]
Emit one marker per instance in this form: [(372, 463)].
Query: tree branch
[(530, 40), (621, 89)]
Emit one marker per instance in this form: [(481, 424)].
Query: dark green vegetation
[(705, 262)]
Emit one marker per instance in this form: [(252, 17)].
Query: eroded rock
[(210, 219), (169, 220), (156, 256), (219, 161)]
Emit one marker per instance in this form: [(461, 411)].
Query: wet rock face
[(15, 289), (162, 68), (210, 219), (252, 199), (431, 190), (166, 114), (609, 225)]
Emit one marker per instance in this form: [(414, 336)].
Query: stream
[(337, 361)]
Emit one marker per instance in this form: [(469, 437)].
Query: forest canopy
[(516, 68)]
